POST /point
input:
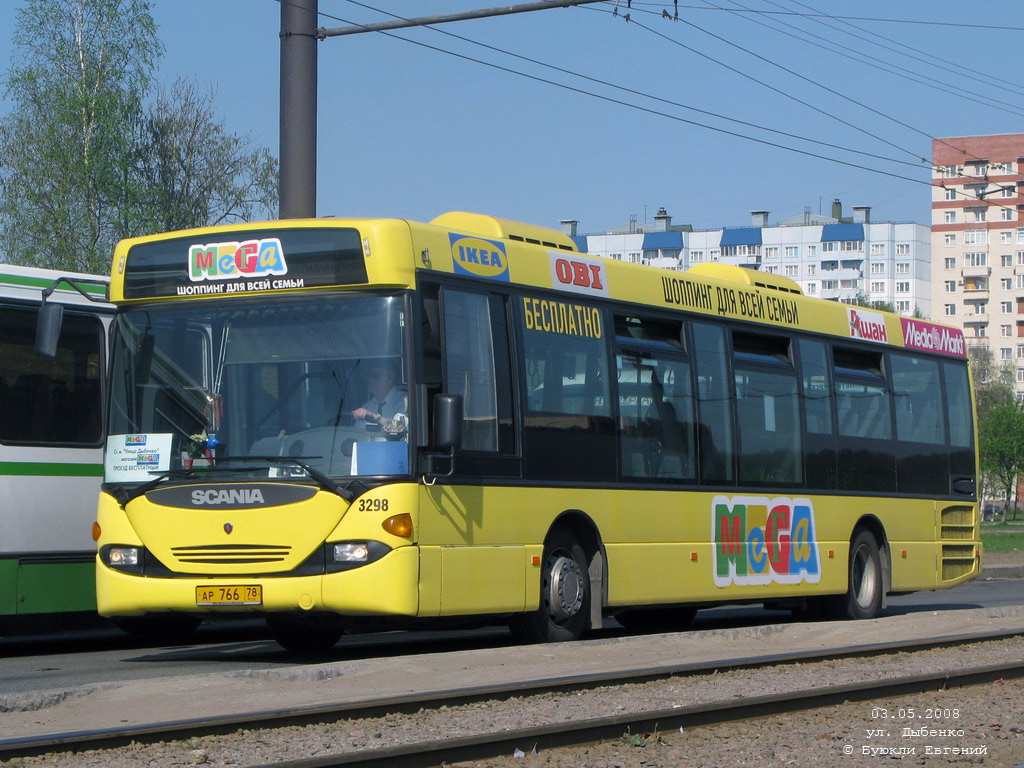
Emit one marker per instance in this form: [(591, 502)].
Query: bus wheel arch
[(572, 583)]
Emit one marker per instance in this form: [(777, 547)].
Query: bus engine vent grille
[(226, 554), (958, 515), (957, 522), (957, 561)]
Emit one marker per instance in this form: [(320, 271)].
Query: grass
[(1002, 542)]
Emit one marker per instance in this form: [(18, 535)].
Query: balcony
[(976, 271)]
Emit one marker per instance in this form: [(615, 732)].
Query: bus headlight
[(123, 557), (346, 555), (352, 552)]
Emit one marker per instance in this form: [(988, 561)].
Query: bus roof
[(29, 283), (314, 254)]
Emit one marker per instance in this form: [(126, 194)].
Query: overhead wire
[(619, 102), (899, 71), (651, 96), (916, 22), (827, 114), (806, 79), (900, 45)]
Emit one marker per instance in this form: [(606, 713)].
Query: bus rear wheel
[(564, 594), (863, 598)]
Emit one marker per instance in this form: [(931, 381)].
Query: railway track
[(437, 752), (525, 740)]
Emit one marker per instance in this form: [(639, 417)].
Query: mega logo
[(933, 338), (867, 325), (228, 261), (134, 439), (758, 541), (578, 274), (479, 258), (147, 459)]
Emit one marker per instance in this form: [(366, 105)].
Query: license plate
[(248, 594)]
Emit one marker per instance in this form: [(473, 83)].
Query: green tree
[(79, 75), (192, 171), (93, 153), (1001, 438)]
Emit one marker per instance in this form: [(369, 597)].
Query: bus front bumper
[(386, 587)]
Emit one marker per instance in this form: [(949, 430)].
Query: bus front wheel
[(564, 594), (863, 598)]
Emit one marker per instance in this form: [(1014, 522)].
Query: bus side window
[(50, 401), (471, 368), (715, 442), (819, 440)]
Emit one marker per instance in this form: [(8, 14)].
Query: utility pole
[(299, 36), (297, 190)]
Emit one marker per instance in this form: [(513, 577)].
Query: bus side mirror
[(447, 434), (447, 422), (48, 324)]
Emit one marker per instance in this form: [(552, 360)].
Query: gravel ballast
[(986, 721)]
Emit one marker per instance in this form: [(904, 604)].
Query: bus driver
[(388, 404)]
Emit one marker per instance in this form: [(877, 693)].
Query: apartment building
[(834, 257), (978, 242)]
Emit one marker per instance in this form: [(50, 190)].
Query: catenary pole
[(297, 184), (299, 36)]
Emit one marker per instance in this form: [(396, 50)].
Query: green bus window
[(50, 401)]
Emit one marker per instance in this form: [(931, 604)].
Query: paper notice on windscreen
[(135, 458)]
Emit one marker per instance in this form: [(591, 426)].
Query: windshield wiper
[(299, 461), (124, 496)]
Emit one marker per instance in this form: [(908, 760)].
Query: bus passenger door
[(472, 556)]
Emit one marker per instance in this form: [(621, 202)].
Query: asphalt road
[(70, 659)]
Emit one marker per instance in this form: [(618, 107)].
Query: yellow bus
[(338, 422)]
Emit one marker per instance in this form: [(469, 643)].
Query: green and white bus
[(51, 443)]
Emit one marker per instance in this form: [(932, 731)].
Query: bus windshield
[(241, 386)]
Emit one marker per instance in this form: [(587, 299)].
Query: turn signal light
[(399, 525), (96, 531)]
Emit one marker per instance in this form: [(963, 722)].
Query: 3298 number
[(373, 505)]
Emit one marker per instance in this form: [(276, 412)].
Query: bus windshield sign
[(242, 262)]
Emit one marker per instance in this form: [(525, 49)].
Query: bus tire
[(863, 598), (564, 594)]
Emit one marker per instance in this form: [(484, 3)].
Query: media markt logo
[(869, 326), (930, 337)]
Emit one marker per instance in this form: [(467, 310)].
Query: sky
[(408, 129)]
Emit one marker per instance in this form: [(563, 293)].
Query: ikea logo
[(477, 257)]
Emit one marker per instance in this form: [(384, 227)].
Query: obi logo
[(227, 261), (578, 274), (147, 460), (479, 258), (758, 540), (867, 325), (134, 439)]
